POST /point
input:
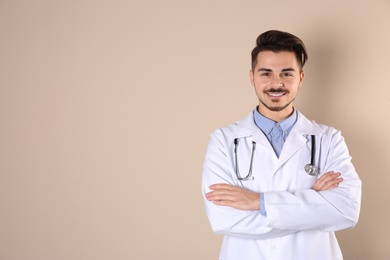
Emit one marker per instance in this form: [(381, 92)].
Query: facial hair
[(277, 108)]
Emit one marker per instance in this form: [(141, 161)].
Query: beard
[(276, 108)]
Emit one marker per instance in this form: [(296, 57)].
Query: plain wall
[(106, 109)]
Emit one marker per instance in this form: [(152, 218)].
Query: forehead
[(276, 60)]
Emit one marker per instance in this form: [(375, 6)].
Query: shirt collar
[(266, 124)]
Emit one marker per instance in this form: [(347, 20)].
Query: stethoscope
[(310, 168)]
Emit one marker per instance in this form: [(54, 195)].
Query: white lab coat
[(300, 222)]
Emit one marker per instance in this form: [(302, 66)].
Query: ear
[(301, 77), (251, 76)]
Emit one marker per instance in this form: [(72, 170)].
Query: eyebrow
[(269, 70)]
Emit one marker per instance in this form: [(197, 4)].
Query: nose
[(277, 83)]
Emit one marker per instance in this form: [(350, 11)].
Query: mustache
[(277, 90)]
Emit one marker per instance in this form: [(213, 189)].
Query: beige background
[(106, 109)]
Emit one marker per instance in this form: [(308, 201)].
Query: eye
[(265, 74), (287, 74)]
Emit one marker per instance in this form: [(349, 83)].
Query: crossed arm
[(243, 199)]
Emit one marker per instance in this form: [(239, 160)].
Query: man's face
[(276, 79)]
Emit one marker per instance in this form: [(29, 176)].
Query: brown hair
[(277, 41)]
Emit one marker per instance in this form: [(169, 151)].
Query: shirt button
[(277, 125)]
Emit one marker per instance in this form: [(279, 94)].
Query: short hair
[(278, 41)]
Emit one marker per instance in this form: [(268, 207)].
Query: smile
[(275, 94)]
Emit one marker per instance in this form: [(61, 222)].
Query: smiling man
[(277, 78), (276, 184)]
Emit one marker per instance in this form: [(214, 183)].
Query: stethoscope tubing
[(313, 149), (249, 175)]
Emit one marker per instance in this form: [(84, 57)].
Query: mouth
[(276, 93)]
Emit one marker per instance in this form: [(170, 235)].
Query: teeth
[(275, 94)]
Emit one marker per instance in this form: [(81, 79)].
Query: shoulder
[(245, 126), (309, 126), (328, 135)]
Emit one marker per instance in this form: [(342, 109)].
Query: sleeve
[(218, 168), (263, 211), (328, 210)]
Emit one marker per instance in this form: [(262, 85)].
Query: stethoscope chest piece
[(311, 169)]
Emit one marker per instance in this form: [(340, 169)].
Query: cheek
[(294, 83), (261, 83)]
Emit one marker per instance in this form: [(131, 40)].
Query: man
[(276, 184)]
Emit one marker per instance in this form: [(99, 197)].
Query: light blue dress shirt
[(276, 133)]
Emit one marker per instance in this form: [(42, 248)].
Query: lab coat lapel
[(247, 128), (297, 139)]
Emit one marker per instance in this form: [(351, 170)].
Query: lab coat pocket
[(306, 181)]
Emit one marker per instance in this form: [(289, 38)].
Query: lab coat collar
[(247, 127), (298, 137)]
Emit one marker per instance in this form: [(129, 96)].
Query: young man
[(276, 184)]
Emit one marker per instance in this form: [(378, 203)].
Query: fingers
[(221, 192), (328, 181), (222, 186), (233, 196)]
